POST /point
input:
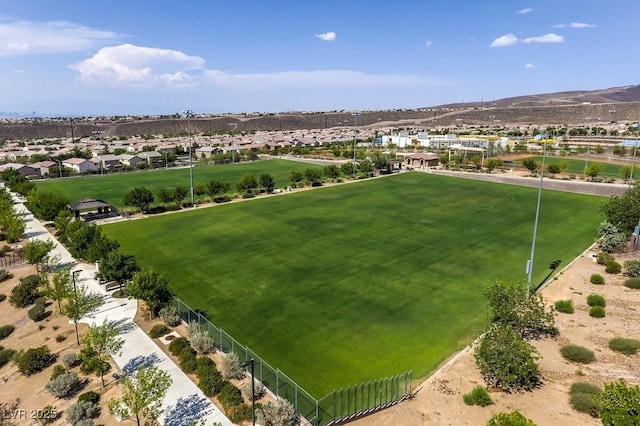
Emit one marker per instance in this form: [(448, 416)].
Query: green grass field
[(360, 281), (576, 166), (112, 187)]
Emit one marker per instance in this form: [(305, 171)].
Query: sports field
[(350, 283), (112, 187), (577, 166)]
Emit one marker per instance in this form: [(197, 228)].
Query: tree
[(553, 169), (14, 226), (61, 221), (86, 241), (215, 187), (492, 163), (247, 183), (180, 193), (267, 182), (313, 176), (46, 205), (142, 395), (347, 168), (623, 211), (594, 169), (295, 176), (620, 404), (332, 171), (103, 342), (37, 253), (151, 287), (506, 360), (139, 197), (530, 164), (60, 288), (118, 267), (165, 195), (80, 303), (366, 167), (625, 172)]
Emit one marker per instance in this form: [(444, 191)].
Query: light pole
[(586, 160), (233, 145), (188, 113), (60, 167), (253, 396), (355, 137), (75, 303), (535, 226), (633, 160)]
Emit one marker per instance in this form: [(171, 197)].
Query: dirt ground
[(438, 400)]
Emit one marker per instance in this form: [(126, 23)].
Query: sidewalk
[(184, 402)]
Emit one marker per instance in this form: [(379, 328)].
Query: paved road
[(184, 401)]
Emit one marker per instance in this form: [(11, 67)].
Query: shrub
[(584, 397), (3, 297), (37, 313), (230, 396), (82, 411), (70, 360), (596, 279), (231, 366), (632, 268), (239, 413), (578, 354), (5, 275), (564, 306), (169, 315), (603, 257), (205, 364), (6, 330), (258, 390), (477, 396), (596, 300), (159, 330), (514, 418), (620, 404), (47, 415), (58, 370), (624, 345), (280, 413), (187, 359), (612, 267), (211, 381), (61, 338), (177, 345), (90, 396), (6, 355), (200, 339), (633, 283), (597, 312), (34, 360), (64, 385), (25, 293)]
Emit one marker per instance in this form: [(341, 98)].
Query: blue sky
[(86, 58)]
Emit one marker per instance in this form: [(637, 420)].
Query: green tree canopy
[(37, 253), (139, 197), (151, 287), (103, 341), (117, 266), (623, 211), (530, 164), (620, 404), (46, 205), (247, 183), (267, 182)]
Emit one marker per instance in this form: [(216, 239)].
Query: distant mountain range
[(575, 108)]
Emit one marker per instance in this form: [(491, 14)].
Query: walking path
[(184, 401)]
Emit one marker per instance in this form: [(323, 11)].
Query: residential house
[(110, 162), (153, 158), (132, 161), (25, 170), (80, 165), (45, 166)]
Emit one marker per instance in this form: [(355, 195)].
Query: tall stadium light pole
[(188, 113), (586, 160), (535, 226), (355, 138), (635, 149)]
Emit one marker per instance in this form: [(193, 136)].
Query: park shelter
[(92, 209)]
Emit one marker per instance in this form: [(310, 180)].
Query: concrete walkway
[(184, 401)]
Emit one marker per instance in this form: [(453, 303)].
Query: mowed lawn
[(576, 166), (351, 283), (112, 187)]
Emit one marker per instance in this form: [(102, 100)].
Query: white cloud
[(428, 43), (330, 36), (505, 40), (142, 67), (575, 25), (547, 38), (525, 11), (29, 38), (529, 66), (319, 79)]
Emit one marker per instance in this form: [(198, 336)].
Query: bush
[(620, 404), (6, 330), (90, 396), (231, 366), (603, 257), (279, 413), (58, 370), (82, 411), (200, 339), (624, 345), (177, 345), (230, 395), (61, 338), (187, 359), (70, 360), (632, 268), (477, 396), (564, 306), (596, 279), (211, 381), (205, 364), (239, 413), (37, 313), (64, 385), (514, 418), (169, 315), (5, 275), (3, 297), (578, 354), (6, 355), (159, 330), (597, 312), (612, 267), (47, 415), (596, 300), (25, 293), (633, 283), (34, 360), (258, 390), (584, 397)]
